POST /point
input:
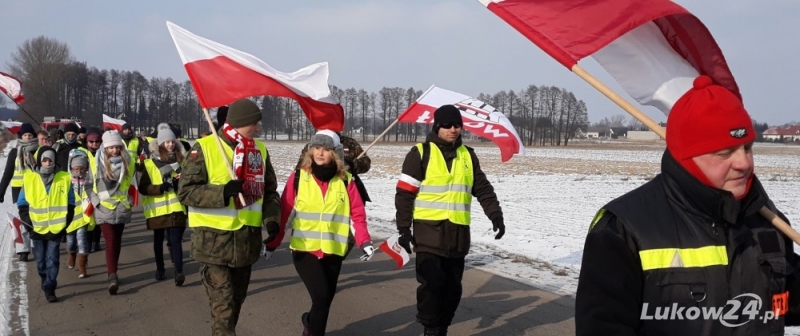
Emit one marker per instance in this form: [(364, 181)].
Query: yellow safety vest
[(121, 195), (133, 148), (16, 180), (48, 211), (167, 203), (320, 222), (80, 219), (227, 218), (445, 194)]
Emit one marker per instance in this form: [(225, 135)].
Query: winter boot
[(113, 284), (50, 295), (179, 279), (71, 261), (23, 257), (82, 260), (435, 331), (160, 274)]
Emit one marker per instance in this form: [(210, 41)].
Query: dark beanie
[(71, 127), (222, 115), (243, 112), (82, 130), (125, 126), (446, 114), (26, 128)]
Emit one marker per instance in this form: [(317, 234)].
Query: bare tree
[(618, 120), (635, 125), (40, 63)]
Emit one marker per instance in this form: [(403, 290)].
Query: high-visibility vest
[(80, 219), (167, 203), (48, 211), (16, 180), (121, 195), (320, 222), (133, 148), (445, 194), (227, 218)]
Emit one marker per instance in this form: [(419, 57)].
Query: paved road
[(373, 299)]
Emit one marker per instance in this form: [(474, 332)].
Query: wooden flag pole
[(221, 149), (655, 127)]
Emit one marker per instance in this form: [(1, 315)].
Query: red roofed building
[(791, 133)]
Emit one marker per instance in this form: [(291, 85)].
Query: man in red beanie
[(663, 257)]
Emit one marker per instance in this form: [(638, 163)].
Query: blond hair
[(107, 163), (341, 169)]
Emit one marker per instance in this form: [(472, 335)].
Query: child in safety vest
[(80, 229), (47, 203), (164, 213)]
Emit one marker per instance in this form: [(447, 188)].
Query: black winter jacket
[(442, 237), (629, 273)]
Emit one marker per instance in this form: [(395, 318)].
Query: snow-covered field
[(548, 197)]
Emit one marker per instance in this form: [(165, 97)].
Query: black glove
[(165, 187), (233, 188), (351, 164), (272, 232), (175, 184), (2, 198), (406, 238), (497, 224)]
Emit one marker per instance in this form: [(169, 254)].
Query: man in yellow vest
[(434, 194), (132, 144), (47, 203), (226, 237)]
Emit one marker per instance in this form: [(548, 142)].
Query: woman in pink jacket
[(319, 202)]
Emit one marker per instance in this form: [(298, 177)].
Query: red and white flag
[(12, 126), (15, 224), (479, 118), (654, 49), (12, 87), (395, 251), (221, 75), (112, 123)]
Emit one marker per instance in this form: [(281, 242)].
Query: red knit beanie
[(706, 119)]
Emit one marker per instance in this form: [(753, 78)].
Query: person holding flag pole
[(20, 160)]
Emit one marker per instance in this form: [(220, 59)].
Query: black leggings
[(174, 236), (320, 277)]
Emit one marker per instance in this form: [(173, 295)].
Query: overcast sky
[(458, 45)]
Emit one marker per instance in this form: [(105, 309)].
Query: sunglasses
[(94, 141), (449, 126)]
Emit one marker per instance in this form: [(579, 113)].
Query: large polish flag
[(654, 49), (12, 87), (112, 123), (221, 75), (12, 126), (478, 117)]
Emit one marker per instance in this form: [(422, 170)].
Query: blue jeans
[(79, 241), (47, 254), (174, 236)]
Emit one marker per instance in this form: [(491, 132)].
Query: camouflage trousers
[(226, 289)]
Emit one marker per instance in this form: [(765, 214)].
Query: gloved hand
[(165, 187), (497, 224), (351, 164), (233, 188), (406, 238), (266, 252), (272, 230), (175, 184), (369, 251), (2, 198)]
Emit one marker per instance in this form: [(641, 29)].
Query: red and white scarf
[(248, 165)]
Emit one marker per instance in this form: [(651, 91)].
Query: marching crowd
[(694, 236), (78, 185)]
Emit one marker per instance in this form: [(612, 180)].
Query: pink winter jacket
[(358, 214)]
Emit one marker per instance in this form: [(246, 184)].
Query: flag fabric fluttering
[(479, 118), (12, 126), (12, 87), (653, 49), (392, 248), (221, 75), (15, 224), (112, 123)]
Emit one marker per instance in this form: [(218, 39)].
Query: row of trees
[(57, 85)]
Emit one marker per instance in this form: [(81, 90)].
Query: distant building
[(791, 133), (643, 135)]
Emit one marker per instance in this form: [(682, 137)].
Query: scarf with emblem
[(248, 164)]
